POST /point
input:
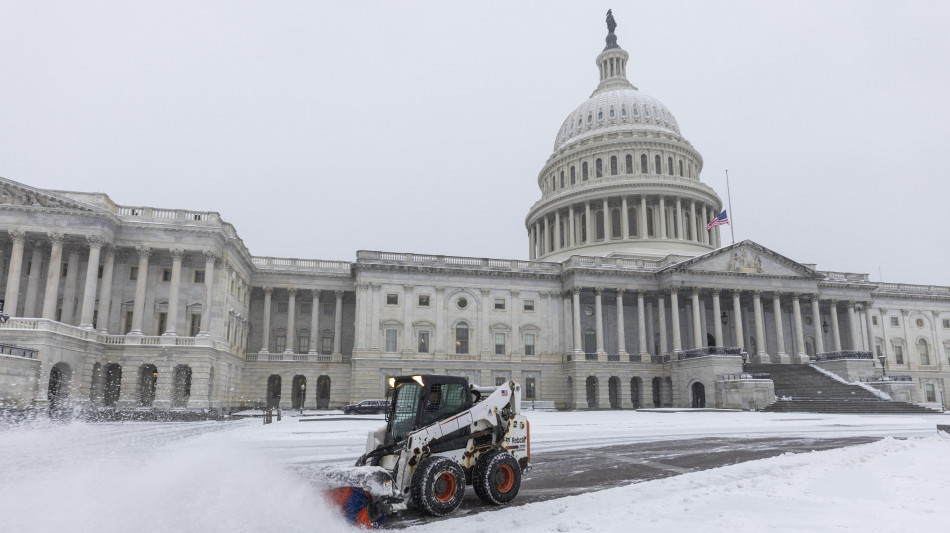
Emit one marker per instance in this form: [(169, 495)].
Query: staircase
[(811, 391)]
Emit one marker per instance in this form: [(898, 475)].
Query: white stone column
[(853, 327), (599, 320), (89, 289), (515, 345), (800, 356), (870, 332), (816, 322), (717, 318), (314, 322), (141, 281), (701, 229), (643, 233), (289, 335), (779, 329), (588, 238), (607, 225), (374, 318), (624, 219), (698, 340), (662, 234), (835, 332), (761, 356), (33, 282), (105, 290), (52, 275), (12, 293), (661, 312), (407, 341), (174, 312), (692, 221), (621, 334), (576, 295), (265, 330), (678, 218), (532, 239), (557, 230), (439, 303), (69, 287), (572, 235), (205, 327), (737, 318), (642, 327), (675, 318), (338, 326)]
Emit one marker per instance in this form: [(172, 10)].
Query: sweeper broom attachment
[(440, 435)]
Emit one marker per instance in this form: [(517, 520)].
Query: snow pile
[(880, 394)]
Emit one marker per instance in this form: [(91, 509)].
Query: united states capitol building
[(626, 300)]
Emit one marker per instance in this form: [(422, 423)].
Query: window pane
[(461, 338), (529, 344), (423, 342), (499, 343), (392, 299), (390, 340)]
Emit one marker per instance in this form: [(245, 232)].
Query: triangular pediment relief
[(13, 193), (746, 258)]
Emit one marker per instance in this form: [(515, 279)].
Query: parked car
[(366, 407)]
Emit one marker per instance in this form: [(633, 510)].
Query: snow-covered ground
[(244, 476)]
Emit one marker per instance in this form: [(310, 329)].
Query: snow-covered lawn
[(239, 476)]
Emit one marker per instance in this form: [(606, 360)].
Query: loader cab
[(421, 400)]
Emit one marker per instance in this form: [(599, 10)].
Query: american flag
[(718, 221)]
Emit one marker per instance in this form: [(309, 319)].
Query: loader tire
[(496, 477), (438, 486)]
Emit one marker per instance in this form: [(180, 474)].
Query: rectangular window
[(162, 322), (423, 342), (946, 323), (877, 350), (281, 307), (423, 300), (133, 273), (195, 327), (895, 322), (101, 267), (530, 389), (280, 343), (326, 345), (391, 340), (59, 314), (499, 344), (329, 309), (199, 276), (899, 354), (499, 304), (65, 269), (500, 380), (529, 305), (874, 320), (128, 322), (166, 274), (392, 299), (306, 308), (529, 344), (303, 343), (931, 392)]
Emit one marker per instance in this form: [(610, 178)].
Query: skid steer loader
[(440, 435)]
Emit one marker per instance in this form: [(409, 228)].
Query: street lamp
[(303, 396), (724, 318), (824, 326), (883, 359)]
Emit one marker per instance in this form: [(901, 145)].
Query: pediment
[(746, 258), (13, 193)]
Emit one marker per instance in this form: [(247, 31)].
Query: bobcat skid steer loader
[(440, 435)]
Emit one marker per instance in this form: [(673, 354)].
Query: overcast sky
[(320, 128)]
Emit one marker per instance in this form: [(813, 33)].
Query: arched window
[(623, 111), (573, 176), (651, 226), (461, 338), (669, 165), (584, 171), (599, 166), (681, 168), (611, 112), (643, 164), (590, 117), (629, 163), (646, 111), (615, 223), (562, 178), (600, 225), (636, 111), (583, 228), (658, 165), (923, 350), (600, 114), (613, 165), (632, 222), (590, 342)]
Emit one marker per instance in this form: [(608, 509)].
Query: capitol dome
[(622, 181)]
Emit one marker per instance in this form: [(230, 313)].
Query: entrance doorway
[(113, 385), (657, 382), (181, 386), (273, 391), (148, 379), (635, 392), (323, 392), (698, 392), (613, 392), (58, 392), (299, 392), (591, 392)]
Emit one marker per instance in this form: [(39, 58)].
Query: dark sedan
[(367, 407)]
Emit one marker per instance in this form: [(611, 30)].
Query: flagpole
[(732, 214)]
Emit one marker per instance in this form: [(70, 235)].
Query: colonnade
[(291, 329), (700, 302), (623, 218)]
